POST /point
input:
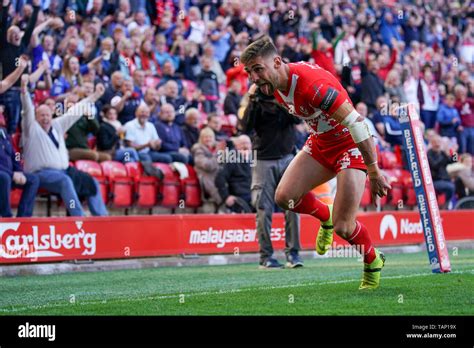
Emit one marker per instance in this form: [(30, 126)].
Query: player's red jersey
[(312, 95)]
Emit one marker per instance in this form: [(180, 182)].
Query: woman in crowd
[(205, 162)]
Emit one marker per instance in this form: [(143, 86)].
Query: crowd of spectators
[(172, 76)]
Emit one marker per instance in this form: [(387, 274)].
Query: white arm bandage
[(358, 129)]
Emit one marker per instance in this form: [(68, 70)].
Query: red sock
[(361, 239), (310, 205)]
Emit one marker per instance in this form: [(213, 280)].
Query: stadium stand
[(392, 44)]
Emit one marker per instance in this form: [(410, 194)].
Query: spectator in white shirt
[(45, 150), (142, 136)]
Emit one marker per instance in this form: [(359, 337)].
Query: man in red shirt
[(465, 107), (340, 145)]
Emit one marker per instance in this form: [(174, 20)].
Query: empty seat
[(408, 188), (366, 196), (94, 169), (145, 187), (389, 160), (395, 195), (170, 188), (441, 198), (120, 184), (191, 189)]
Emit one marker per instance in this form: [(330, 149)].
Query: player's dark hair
[(262, 47)]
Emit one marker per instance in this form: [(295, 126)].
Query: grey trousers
[(265, 178)]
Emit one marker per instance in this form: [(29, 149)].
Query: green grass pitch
[(323, 287)]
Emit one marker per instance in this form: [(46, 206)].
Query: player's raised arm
[(349, 117)]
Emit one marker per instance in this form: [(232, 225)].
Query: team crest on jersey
[(345, 161), (303, 110)]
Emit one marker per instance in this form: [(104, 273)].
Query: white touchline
[(220, 292)]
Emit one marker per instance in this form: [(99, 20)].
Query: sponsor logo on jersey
[(329, 99)]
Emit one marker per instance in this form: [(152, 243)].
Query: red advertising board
[(45, 239)]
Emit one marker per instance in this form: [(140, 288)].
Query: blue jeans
[(446, 187), (155, 156), (467, 140), (57, 181), (11, 100), (209, 106), (428, 118), (126, 154), (27, 201), (177, 157)]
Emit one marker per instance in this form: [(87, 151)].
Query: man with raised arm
[(45, 150)]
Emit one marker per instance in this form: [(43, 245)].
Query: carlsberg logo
[(36, 245)]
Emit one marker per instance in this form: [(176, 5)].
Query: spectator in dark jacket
[(171, 135), (208, 85), (438, 158), (172, 97), (234, 179), (190, 127), (214, 122), (372, 86), (108, 138), (273, 131), (13, 44), (77, 136), (11, 176), (127, 102), (113, 89), (169, 74), (233, 98), (352, 76)]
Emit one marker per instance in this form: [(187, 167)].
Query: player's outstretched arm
[(349, 117)]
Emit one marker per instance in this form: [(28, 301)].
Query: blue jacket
[(393, 130), (445, 117), (389, 30), (8, 162), (171, 136)]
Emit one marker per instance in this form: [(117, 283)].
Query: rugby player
[(340, 145)]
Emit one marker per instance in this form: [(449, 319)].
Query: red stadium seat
[(395, 195), (441, 199), (120, 185), (170, 190), (93, 168), (91, 142), (191, 189), (16, 138), (190, 88), (146, 187), (40, 95), (15, 196), (366, 197), (408, 188), (389, 160)]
